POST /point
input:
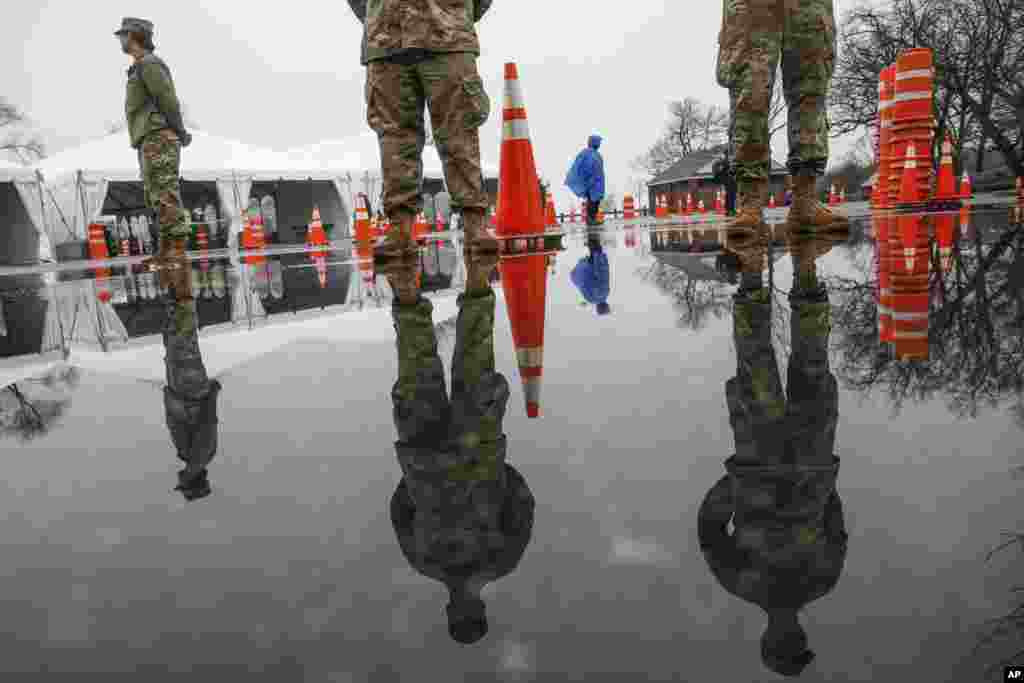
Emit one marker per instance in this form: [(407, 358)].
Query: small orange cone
[(945, 227), (315, 235), (946, 189), (771, 201), (550, 217), (701, 207), (965, 187), (364, 229), (690, 206), (419, 227), (524, 278)]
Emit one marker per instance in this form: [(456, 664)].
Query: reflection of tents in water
[(76, 318)]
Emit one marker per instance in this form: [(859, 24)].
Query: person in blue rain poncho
[(586, 177), (592, 276)]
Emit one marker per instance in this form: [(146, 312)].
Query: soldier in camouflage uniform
[(462, 515), (424, 54), (157, 131), (754, 34), (190, 396), (789, 540)]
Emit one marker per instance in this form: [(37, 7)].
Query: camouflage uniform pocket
[(478, 105), (735, 16), (828, 35)]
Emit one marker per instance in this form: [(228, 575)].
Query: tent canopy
[(78, 179), (209, 158)]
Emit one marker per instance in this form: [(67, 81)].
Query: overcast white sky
[(287, 74)]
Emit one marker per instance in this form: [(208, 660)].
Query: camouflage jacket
[(394, 27), (771, 574), (151, 103), (463, 533)]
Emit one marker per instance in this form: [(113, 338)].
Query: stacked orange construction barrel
[(659, 207), (364, 238), (523, 277), (912, 118), (910, 273)]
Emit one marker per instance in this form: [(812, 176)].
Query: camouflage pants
[(160, 164), (190, 397), (754, 35), (771, 428), (450, 87), (469, 426)]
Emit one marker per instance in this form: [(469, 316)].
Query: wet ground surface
[(292, 568)]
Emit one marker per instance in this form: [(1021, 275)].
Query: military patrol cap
[(129, 24)]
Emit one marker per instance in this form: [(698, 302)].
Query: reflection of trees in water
[(1008, 628), (976, 349), (696, 302), (28, 416)]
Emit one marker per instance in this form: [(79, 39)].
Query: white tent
[(80, 181), (22, 216)]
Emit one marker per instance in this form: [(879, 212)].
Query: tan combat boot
[(173, 266), (748, 223), (478, 239), (401, 274), (397, 243), (807, 214), (479, 267)]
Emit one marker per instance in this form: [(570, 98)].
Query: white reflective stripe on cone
[(516, 129), (530, 358), (514, 94), (909, 316)]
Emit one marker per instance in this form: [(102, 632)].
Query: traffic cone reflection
[(883, 248), (524, 278), (965, 187), (910, 291), (945, 227)]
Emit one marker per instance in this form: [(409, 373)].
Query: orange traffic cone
[(315, 235), (721, 202), (364, 229), (690, 207), (551, 221), (946, 189), (524, 278), (701, 207), (771, 201), (965, 187), (945, 226), (419, 227)]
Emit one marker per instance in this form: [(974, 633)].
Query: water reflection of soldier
[(789, 540), (592, 275), (462, 515), (190, 397)]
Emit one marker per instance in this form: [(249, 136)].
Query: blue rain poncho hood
[(586, 177)]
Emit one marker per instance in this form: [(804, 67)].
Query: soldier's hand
[(186, 138)]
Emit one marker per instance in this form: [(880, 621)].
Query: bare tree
[(14, 138)]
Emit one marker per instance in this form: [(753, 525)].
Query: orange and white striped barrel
[(364, 229)]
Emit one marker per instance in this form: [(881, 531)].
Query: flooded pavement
[(749, 464)]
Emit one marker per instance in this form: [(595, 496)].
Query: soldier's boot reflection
[(754, 395), (190, 396)]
